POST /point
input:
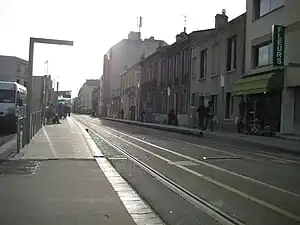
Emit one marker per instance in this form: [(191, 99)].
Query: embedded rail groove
[(202, 204)]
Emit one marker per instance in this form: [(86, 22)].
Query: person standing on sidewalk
[(210, 115), (202, 112)]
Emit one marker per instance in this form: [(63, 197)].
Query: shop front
[(260, 102)]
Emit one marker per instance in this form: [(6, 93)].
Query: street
[(190, 180)]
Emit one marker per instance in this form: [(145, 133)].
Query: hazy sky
[(94, 26)]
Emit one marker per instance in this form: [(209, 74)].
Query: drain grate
[(18, 167)]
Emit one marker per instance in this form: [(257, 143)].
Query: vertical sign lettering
[(278, 38)]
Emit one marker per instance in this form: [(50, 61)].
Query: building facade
[(130, 92), (125, 53), (217, 62), (14, 69), (85, 95), (95, 99), (273, 86), (165, 80)]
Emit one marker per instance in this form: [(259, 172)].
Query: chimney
[(178, 37), (221, 20), (134, 35)]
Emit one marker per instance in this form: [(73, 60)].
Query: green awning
[(256, 84)]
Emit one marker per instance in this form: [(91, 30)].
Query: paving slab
[(58, 141), (67, 192)]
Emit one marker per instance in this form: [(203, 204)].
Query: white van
[(13, 98)]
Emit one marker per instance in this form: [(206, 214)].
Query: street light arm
[(51, 41)]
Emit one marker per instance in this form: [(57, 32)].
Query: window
[(216, 60), (194, 61), (229, 105), (214, 99), (186, 66), (231, 53), (263, 7), (193, 99), (174, 66), (178, 72), (262, 55), (170, 68), (203, 63), (297, 106), (18, 81)]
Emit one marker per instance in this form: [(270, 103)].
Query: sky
[(95, 26)]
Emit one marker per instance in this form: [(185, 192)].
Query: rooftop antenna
[(139, 24), (184, 19)]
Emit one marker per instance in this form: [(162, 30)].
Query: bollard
[(18, 134)]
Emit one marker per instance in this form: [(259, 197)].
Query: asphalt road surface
[(191, 180)]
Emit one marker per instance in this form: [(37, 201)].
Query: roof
[(14, 58), (218, 31)]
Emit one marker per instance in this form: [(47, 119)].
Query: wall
[(211, 84), (258, 31), (13, 69)]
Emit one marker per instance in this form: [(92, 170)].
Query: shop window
[(262, 55), (203, 63), (263, 7), (297, 106), (231, 53)]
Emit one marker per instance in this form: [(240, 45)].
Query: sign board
[(222, 82), (278, 39), (64, 94)]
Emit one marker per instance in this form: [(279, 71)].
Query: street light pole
[(30, 81)]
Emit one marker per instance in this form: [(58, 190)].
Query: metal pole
[(29, 91), (222, 84), (18, 135), (23, 132), (222, 109)]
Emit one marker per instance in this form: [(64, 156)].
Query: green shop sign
[(278, 38)]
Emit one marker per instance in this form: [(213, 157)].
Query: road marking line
[(243, 154), (217, 183), (209, 165), (54, 153), (239, 149)]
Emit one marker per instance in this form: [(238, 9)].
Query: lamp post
[(30, 83), (222, 84)]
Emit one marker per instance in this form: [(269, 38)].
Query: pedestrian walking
[(202, 112), (210, 116)]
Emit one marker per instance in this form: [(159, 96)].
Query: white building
[(85, 95), (13, 69), (124, 54)]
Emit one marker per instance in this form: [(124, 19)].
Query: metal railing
[(36, 125)]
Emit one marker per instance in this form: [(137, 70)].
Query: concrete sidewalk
[(56, 180), (272, 143)]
